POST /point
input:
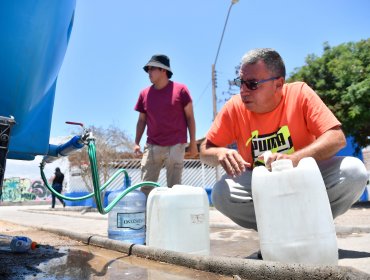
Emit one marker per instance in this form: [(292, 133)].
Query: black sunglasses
[(252, 84)]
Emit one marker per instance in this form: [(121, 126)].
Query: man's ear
[(279, 83)]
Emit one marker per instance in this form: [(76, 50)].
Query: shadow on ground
[(23, 265)]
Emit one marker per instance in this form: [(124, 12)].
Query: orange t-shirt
[(296, 122)]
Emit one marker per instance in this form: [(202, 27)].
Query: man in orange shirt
[(292, 122)]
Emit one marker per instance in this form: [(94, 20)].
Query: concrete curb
[(244, 268)]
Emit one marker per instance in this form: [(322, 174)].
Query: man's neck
[(161, 84)]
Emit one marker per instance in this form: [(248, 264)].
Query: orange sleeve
[(319, 118), (222, 131)]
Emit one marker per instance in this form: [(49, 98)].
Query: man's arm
[(190, 120), (140, 128), (230, 159), (324, 147)]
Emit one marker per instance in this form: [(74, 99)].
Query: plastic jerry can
[(294, 219), (126, 220), (178, 219)]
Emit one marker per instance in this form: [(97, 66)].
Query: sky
[(102, 73)]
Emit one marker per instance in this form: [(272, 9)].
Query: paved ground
[(227, 239)]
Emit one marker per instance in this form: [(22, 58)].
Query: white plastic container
[(294, 219), (178, 219), (126, 221)]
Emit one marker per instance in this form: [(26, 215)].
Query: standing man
[(288, 119), (57, 185), (166, 109)]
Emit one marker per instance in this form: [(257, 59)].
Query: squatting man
[(290, 120)]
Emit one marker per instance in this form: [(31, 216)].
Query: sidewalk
[(227, 239)]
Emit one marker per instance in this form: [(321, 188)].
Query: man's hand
[(232, 161), (324, 147), (137, 150), (193, 149), (277, 156)]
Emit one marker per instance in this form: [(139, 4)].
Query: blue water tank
[(34, 36)]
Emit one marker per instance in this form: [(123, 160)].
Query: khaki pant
[(154, 157)]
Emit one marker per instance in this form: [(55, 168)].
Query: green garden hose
[(96, 182)]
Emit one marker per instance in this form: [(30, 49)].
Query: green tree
[(341, 77)]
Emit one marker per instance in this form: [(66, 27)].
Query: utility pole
[(214, 94)]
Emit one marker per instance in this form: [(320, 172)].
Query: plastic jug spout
[(281, 165)]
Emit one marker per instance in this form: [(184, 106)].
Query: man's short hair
[(270, 57)]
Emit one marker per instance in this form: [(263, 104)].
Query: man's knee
[(241, 212), (355, 174), (349, 187)]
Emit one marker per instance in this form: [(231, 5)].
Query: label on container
[(131, 220), (197, 218)]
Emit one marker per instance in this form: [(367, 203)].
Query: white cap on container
[(266, 156)]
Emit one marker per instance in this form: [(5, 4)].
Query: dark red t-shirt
[(165, 116)]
